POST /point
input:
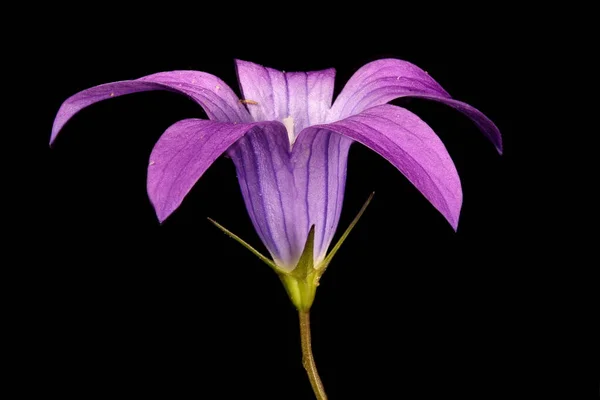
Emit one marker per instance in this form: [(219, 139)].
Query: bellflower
[(290, 144)]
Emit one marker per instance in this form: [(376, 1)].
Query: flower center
[(289, 126)]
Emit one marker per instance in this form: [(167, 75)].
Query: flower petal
[(286, 193), (304, 96), (185, 151), (382, 81), (411, 146), (217, 99), (320, 159)]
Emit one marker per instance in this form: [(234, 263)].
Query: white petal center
[(288, 122)]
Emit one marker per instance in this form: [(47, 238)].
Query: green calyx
[(301, 282)]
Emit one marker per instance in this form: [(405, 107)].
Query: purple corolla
[(290, 144)]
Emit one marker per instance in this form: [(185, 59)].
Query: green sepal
[(301, 283), (325, 263), (306, 264), (246, 245)]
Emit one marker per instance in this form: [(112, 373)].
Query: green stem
[(307, 357)]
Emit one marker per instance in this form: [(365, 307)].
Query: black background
[(120, 305)]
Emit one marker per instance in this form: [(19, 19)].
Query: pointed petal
[(382, 81), (411, 146), (285, 193), (185, 151), (304, 96), (217, 99)]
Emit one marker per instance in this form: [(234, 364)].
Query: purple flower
[(290, 144)]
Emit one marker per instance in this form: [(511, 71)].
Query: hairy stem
[(307, 356)]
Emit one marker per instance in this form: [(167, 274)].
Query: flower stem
[(307, 356)]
